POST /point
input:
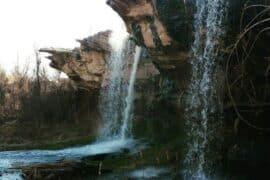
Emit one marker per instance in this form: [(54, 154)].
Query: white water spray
[(114, 136), (208, 25), (111, 95), (127, 115), (116, 108)]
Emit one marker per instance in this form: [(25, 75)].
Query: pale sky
[(48, 23)]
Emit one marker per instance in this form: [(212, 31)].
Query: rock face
[(162, 27), (86, 65)]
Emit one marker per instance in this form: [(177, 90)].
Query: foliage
[(39, 109)]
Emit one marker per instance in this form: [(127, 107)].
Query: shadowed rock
[(63, 170), (156, 25)]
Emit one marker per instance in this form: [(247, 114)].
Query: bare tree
[(3, 89)]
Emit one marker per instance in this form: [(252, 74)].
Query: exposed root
[(246, 48)]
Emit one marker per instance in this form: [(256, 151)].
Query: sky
[(29, 24)]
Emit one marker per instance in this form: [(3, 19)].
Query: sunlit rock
[(86, 65)]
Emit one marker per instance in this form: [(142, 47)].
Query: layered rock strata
[(85, 65), (163, 28)]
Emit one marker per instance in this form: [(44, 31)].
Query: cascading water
[(111, 95), (118, 130), (115, 108), (202, 99), (116, 116), (127, 115)]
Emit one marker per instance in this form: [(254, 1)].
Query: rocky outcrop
[(147, 23), (86, 65), (163, 28)]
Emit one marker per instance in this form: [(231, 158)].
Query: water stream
[(117, 98), (112, 98), (116, 115), (127, 115), (11, 159), (202, 99)]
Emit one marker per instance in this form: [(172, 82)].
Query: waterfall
[(202, 99), (117, 97), (127, 115), (111, 94)]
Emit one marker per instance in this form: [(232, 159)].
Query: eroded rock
[(165, 29), (162, 27), (86, 65)]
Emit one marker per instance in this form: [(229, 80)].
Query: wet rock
[(103, 156), (62, 170), (98, 157)]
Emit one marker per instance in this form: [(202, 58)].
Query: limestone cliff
[(85, 65)]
